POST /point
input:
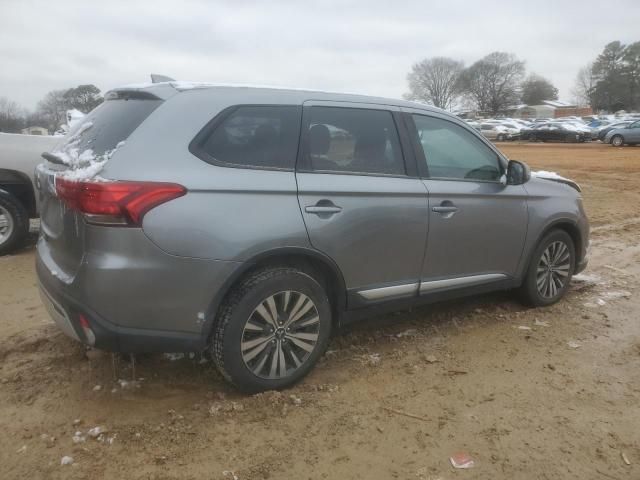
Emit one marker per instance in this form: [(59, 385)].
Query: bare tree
[(53, 107), (12, 117), (435, 81), (493, 82), (584, 84)]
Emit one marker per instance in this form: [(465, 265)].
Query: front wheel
[(272, 329), (550, 270), (617, 141)]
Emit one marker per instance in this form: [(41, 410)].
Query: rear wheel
[(617, 141), (272, 329), (14, 223), (550, 270)]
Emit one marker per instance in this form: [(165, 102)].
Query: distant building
[(35, 131), (551, 109)]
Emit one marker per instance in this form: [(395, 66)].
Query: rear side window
[(110, 123), (254, 136), (353, 140), (452, 152)]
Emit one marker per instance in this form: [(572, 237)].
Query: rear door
[(360, 198), (477, 224)]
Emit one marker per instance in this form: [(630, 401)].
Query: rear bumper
[(66, 310), (134, 296)]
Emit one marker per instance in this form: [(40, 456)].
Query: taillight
[(114, 202)]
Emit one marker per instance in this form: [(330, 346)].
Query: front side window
[(255, 136), (353, 140), (451, 152)]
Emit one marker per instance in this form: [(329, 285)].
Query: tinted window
[(255, 136), (453, 152), (109, 124), (353, 140)]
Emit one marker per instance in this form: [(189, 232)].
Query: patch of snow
[(66, 460), (573, 344), (412, 332), (174, 356), (548, 175), (84, 164), (586, 279), (523, 327), (612, 295), (95, 432), (374, 359)]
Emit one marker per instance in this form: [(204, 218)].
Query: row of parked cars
[(615, 131)]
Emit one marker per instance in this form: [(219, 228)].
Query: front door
[(477, 224), (360, 206)]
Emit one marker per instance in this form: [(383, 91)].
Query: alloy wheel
[(553, 269), (280, 335), (6, 225)]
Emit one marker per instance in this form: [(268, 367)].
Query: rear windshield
[(110, 123)]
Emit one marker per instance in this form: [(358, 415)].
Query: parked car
[(602, 133), (554, 132), (628, 135), (19, 155), (209, 227), (498, 133)]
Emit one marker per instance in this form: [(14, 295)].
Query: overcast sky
[(363, 46)]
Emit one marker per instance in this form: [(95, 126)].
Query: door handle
[(318, 209), (324, 208), (448, 209)]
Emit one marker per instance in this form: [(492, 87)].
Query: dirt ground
[(530, 394)]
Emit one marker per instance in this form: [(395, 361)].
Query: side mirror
[(517, 172)]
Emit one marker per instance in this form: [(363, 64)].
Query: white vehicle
[(498, 133), (19, 155)]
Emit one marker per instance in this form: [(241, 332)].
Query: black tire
[(240, 306), (529, 291), (17, 223), (617, 141)]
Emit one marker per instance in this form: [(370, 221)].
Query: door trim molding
[(405, 290), (428, 286)]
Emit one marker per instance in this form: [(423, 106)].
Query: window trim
[(421, 159), (196, 144), (303, 165)]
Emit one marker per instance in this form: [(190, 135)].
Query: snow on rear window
[(91, 143)]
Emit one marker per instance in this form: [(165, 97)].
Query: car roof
[(165, 90)]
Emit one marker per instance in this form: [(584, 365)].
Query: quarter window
[(255, 136), (353, 140), (452, 152)]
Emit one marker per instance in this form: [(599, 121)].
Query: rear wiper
[(53, 158)]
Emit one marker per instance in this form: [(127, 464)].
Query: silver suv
[(257, 220)]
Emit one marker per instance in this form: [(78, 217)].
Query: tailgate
[(85, 150)]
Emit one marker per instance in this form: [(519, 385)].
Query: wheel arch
[(311, 261), (19, 185), (571, 228)]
